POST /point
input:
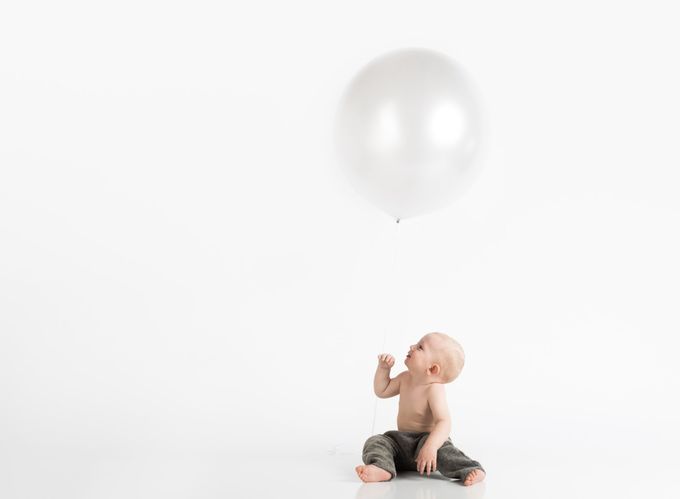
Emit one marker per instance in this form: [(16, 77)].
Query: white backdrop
[(184, 266)]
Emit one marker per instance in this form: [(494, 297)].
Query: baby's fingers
[(430, 468), (386, 358)]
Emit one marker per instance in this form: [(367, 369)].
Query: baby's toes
[(474, 476)]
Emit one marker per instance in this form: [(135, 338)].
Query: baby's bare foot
[(371, 473), (474, 476)]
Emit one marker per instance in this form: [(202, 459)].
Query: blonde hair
[(450, 357)]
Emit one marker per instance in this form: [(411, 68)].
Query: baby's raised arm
[(383, 386)]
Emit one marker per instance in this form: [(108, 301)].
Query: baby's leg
[(378, 457), (452, 463)]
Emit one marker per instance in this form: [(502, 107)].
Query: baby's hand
[(385, 361)]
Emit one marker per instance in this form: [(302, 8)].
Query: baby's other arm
[(436, 399), (427, 457), (383, 386)]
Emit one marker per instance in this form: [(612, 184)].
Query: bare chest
[(414, 411)]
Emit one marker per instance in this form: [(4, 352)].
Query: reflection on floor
[(193, 475), (411, 485)]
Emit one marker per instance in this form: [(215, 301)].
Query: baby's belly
[(414, 422)]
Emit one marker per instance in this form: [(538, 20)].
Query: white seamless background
[(184, 267)]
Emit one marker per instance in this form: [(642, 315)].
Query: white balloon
[(408, 131)]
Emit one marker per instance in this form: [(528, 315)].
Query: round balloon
[(408, 131)]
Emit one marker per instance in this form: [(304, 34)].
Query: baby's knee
[(378, 442), (375, 439)]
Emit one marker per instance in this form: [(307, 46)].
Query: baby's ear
[(435, 369)]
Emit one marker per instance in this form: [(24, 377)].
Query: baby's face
[(420, 355)]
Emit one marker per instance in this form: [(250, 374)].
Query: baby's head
[(437, 355)]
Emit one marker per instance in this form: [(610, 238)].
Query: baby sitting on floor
[(422, 442)]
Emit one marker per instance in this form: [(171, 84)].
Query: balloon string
[(395, 289)]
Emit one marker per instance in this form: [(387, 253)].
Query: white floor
[(322, 476)]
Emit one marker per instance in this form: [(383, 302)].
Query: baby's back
[(414, 412)]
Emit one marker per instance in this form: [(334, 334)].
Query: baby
[(422, 442)]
